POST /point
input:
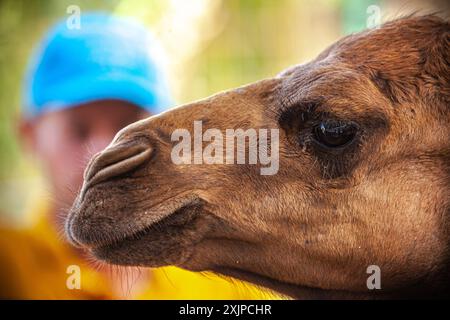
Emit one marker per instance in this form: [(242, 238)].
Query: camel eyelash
[(302, 117), (294, 116)]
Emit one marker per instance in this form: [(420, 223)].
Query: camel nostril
[(115, 161)]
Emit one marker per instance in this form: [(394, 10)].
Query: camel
[(363, 177)]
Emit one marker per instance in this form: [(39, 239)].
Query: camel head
[(345, 164)]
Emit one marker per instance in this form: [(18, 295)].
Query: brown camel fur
[(363, 179)]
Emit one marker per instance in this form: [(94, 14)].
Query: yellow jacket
[(35, 264)]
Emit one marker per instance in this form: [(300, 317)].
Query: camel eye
[(335, 134)]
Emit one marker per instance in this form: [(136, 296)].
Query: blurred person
[(83, 85)]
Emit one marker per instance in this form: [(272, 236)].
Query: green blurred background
[(209, 45)]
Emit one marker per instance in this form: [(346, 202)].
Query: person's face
[(63, 141)]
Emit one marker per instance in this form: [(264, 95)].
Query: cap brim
[(82, 90)]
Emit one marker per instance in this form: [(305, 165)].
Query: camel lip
[(173, 224), (158, 212)]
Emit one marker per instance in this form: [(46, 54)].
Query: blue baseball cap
[(106, 58)]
